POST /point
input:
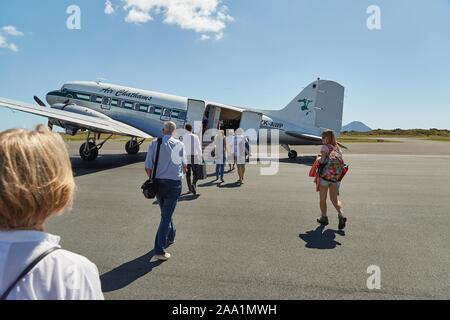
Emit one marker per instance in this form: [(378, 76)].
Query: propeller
[(42, 104), (39, 101)]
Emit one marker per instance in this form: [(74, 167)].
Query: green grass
[(437, 138), (368, 139), (424, 134), (82, 137)]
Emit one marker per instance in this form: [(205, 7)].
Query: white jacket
[(62, 275)]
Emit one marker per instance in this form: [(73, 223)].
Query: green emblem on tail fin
[(305, 106)]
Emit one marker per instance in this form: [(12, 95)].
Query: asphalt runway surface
[(261, 240)]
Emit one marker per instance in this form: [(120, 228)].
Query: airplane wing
[(101, 125), (310, 138)]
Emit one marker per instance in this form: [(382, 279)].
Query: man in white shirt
[(194, 153)]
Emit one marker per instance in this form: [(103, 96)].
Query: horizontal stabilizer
[(310, 138)]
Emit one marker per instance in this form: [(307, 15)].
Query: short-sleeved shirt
[(237, 144), (62, 275), (172, 156), (192, 145)]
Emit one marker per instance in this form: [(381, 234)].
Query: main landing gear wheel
[(90, 152), (132, 147), (292, 154)]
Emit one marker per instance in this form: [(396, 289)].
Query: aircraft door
[(251, 120), (195, 112)]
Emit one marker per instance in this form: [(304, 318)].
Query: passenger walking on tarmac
[(239, 147), (230, 139), (220, 154), (169, 172), (36, 183), (331, 168), (193, 150)]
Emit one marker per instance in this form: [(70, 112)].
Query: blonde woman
[(332, 164), (36, 183)]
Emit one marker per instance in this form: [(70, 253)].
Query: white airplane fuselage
[(147, 110)]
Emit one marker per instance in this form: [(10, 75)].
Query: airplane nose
[(52, 97)]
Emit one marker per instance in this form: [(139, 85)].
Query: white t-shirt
[(192, 145), (62, 275)]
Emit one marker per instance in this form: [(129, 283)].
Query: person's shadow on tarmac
[(318, 239), (127, 273)]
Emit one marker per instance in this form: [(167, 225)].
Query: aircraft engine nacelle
[(79, 110), (72, 128)]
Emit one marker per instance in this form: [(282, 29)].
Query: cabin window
[(106, 100), (127, 105), (84, 97), (114, 103), (157, 110), (175, 114), (182, 115), (143, 108), (165, 115), (98, 99)]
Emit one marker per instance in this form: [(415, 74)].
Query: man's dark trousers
[(168, 193), (192, 166)]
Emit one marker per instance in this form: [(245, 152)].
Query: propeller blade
[(39, 101)]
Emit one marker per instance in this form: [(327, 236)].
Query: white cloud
[(4, 41), (202, 16), (109, 9), (12, 31), (13, 47), (137, 16)]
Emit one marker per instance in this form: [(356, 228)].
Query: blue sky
[(255, 53)]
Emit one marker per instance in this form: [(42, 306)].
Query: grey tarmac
[(261, 240)]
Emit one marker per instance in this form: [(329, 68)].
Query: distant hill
[(356, 126)]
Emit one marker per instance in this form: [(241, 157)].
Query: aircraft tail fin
[(319, 105)]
